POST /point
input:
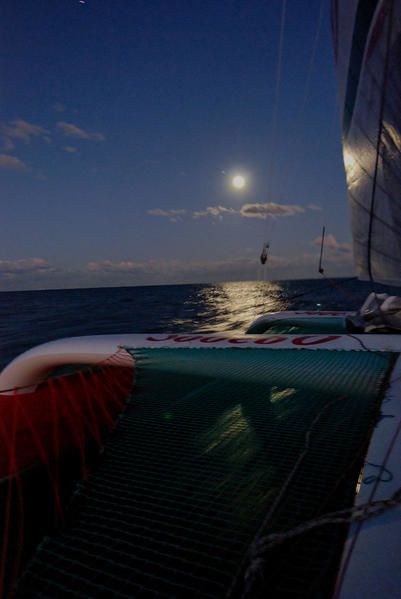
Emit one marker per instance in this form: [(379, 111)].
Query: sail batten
[(367, 43)]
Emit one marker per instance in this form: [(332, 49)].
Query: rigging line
[(348, 295), (311, 62), (321, 269), (297, 123), (276, 96), (357, 124), (328, 279), (254, 561), (310, 291), (358, 514), (273, 150), (361, 343), (379, 136), (372, 73), (387, 256), (395, 227)]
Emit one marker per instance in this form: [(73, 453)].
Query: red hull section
[(63, 414)]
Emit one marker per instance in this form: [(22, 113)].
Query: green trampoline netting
[(215, 449)]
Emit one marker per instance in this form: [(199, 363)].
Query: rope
[(273, 144), (263, 543), (348, 295), (347, 516), (330, 281), (304, 293), (277, 92), (312, 60), (255, 559)]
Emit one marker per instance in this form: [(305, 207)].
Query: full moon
[(238, 182)]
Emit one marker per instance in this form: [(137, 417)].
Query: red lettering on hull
[(313, 340), (166, 338), (270, 340), (302, 341)]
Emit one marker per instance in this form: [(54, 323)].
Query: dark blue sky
[(123, 122)]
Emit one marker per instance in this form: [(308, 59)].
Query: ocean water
[(28, 318)]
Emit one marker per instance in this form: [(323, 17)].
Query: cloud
[(314, 207), (247, 211), (124, 266), (20, 130), (71, 130), (37, 273), (167, 271), (58, 107), (23, 266), (12, 163), (7, 144), (150, 272), (170, 270), (29, 273), (165, 213), (269, 209), (174, 216), (331, 243), (214, 211), (70, 149)]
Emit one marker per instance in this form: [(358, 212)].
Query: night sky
[(123, 123)]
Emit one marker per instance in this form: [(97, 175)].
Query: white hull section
[(371, 564), (32, 367)]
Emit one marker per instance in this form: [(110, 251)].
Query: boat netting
[(213, 451)]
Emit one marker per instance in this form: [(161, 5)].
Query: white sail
[(367, 42)]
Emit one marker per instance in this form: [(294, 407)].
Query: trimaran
[(262, 464)]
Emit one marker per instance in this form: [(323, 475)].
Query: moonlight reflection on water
[(231, 306), (33, 317)]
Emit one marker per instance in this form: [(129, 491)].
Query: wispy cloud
[(331, 243), (7, 144), (71, 130), (131, 272), (37, 273), (214, 211), (29, 273), (174, 215), (70, 149), (165, 213), (305, 264), (59, 107), (124, 266), (167, 271), (24, 265), (246, 211), (11, 163), (22, 131), (270, 209), (314, 207)]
